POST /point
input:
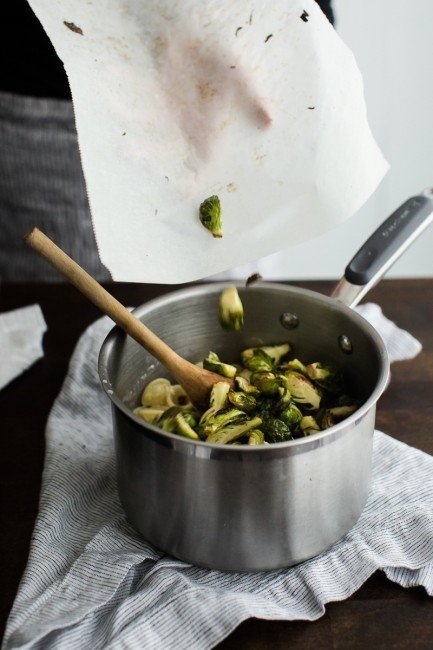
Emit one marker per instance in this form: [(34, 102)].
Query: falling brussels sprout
[(210, 215), (213, 363), (231, 310), (284, 391)]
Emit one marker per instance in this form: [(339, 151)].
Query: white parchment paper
[(176, 101)]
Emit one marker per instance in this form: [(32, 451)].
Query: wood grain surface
[(380, 615)]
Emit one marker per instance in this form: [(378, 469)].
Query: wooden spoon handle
[(101, 298)]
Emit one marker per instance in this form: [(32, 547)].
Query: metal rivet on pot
[(345, 344), (289, 320)]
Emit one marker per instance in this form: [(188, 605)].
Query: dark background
[(28, 62)]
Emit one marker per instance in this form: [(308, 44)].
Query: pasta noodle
[(158, 396)]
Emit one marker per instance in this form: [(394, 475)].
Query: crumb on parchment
[(73, 27)]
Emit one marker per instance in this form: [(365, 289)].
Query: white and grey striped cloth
[(92, 582), (21, 334)]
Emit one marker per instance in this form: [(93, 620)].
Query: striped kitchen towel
[(92, 582)]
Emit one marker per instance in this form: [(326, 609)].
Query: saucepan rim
[(116, 334)]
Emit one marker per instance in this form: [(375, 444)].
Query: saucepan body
[(245, 508)]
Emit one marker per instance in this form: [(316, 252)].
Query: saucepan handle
[(384, 247)]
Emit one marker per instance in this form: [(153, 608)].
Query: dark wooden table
[(380, 615)]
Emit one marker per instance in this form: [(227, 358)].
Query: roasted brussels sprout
[(184, 429), (295, 365), (167, 420), (217, 401), (302, 390), (275, 430), (210, 215), (309, 425), (234, 432), (276, 352), (326, 419), (242, 401), (270, 399), (231, 310), (256, 360), (267, 407), (244, 374), (327, 376), (218, 395), (223, 419), (291, 416), (190, 418), (244, 385), (344, 400), (212, 362), (266, 382), (341, 412), (256, 437)]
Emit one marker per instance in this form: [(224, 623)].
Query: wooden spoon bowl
[(196, 381)]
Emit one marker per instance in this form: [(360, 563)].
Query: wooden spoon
[(196, 381)]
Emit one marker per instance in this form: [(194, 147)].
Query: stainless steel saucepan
[(256, 508)]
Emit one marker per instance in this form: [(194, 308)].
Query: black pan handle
[(384, 247)]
